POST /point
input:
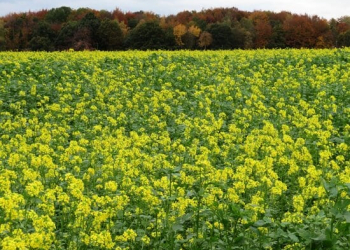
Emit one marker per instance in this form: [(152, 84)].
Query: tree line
[(220, 28)]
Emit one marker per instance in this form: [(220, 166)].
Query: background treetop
[(64, 28)]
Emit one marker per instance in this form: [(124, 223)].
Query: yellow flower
[(34, 188), (298, 203), (146, 240), (128, 235)]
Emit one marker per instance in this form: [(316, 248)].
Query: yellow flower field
[(175, 150)]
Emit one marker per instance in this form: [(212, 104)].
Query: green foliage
[(148, 35), (58, 15), (65, 37), (222, 36), (230, 28), (40, 43), (278, 37), (169, 150), (110, 36), (43, 37), (2, 35), (132, 23), (240, 37), (344, 39)]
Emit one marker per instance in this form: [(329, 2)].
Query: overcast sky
[(322, 8)]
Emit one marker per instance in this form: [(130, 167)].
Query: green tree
[(169, 41), (222, 36), (2, 35), (239, 37), (148, 35), (39, 43), (58, 15), (345, 19), (89, 26), (65, 38), (132, 23), (43, 37), (110, 35), (190, 39), (199, 22), (278, 39), (80, 35), (249, 32), (344, 39)]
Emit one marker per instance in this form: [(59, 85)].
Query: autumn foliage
[(220, 28)]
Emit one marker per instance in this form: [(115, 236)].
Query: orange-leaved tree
[(179, 31), (205, 40)]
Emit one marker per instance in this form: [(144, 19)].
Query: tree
[(58, 15), (86, 37), (148, 35), (278, 39), (323, 33), (110, 35), (169, 38), (104, 14), (345, 19), (191, 36), (333, 25), (205, 40), (39, 43), (179, 31), (239, 36), (2, 35), (338, 27), (263, 33), (201, 23), (18, 33), (82, 39), (119, 15), (85, 28), (65, 39), (194, 30), (91, 22), (183, 17), (222, 36), (249, 32), (124, 28), (43, 37), (299, 31), (263, 29), (344, 39), (78, 14)]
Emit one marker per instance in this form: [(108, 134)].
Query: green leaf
[(336, 140), (177, 227), (239, 240), (293, 237), (321, 237), (333, 192), (304, 234), (260, 223), (186, 217), (347, 217)]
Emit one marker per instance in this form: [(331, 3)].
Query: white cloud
[(322, 8)]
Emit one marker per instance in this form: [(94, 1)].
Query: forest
[(65, 28)]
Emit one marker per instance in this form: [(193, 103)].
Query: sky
[(323, 8)]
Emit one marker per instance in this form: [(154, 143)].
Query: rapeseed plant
[(178, 150)]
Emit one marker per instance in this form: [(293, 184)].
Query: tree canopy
[(65, 28)]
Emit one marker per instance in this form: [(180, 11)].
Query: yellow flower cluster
[(132, 150)]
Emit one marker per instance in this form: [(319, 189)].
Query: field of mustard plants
[(175, 150)]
